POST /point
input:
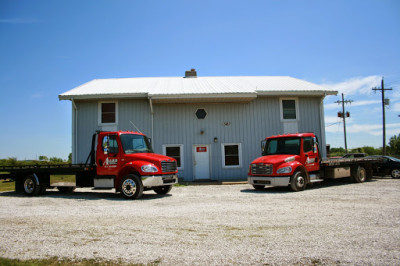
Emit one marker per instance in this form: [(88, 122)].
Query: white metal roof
[(169, 88)]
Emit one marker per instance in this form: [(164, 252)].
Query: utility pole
[(382, 89), (343, 115)]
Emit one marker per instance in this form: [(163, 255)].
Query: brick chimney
[(191, 73)]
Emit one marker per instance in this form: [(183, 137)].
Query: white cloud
[(396, 107), (354, 103), (371, 129), (361, 85)]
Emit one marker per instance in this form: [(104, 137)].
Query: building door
[(201, 162)]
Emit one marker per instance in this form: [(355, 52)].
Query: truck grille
[(168, 166), (261, 169)]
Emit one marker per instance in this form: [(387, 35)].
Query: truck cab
[(289, 159), (125, 161)]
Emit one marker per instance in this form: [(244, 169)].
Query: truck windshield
[(282, 146), (135, 143)]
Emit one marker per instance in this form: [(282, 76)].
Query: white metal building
[(212, 125)]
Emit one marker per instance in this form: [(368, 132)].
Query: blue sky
[(49, 47)]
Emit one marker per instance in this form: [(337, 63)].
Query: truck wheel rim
[(300, 181), (129, 187), (29, 186), (362, 175), (396, 173)]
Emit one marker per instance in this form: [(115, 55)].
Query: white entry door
[(201, 162)]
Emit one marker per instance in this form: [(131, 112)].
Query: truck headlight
[(284, 170), (149, 168)]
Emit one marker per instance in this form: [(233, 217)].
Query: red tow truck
[(294, 160), (122, 160)]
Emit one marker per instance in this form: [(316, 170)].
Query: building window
[(289, 109), (231, 155), (201, 113), (108, 113), (175, 151)]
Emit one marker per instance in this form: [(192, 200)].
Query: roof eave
[(297, 93), (103, 96)]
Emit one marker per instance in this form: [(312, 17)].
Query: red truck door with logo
[(108, 155), (310, 154)]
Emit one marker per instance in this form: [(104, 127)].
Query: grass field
[(7, 185)]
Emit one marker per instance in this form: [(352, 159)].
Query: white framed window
[(231, 155), (289, 109), (108, 113), (175, 151)]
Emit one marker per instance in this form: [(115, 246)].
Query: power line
[(382, 90)]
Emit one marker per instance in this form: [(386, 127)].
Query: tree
[(56, 160), (43, 158), (70, 158), (394, 145)]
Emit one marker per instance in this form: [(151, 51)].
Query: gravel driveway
[(331, 223)]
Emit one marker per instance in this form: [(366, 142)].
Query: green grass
[(65, 262), (7, 185)]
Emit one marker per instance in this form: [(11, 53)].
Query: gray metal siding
[(87, 126), (247, 123)]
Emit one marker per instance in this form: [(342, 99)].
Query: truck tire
[(66, 189), (258, 187), (131, 187), (31, 188), (298, 181), (395, 173), (163, 189), (359, 174)]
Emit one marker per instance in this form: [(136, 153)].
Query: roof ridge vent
[(191, 73)]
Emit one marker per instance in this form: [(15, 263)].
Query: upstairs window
[(289, 109), (108, 113)]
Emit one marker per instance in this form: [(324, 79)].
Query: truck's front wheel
[(298, 181), (31, 188), (131, 187), (163, 189)]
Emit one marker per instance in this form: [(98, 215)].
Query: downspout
[(74, 131), (152, 121), (322, 123)]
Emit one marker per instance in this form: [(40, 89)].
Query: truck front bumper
[(159, 180), (273, 181)]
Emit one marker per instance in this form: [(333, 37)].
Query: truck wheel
[(359, 175), (258, 187), (395, 173), (131, 187), (66, 189), (30, 186), (298, 181), (163, 189)]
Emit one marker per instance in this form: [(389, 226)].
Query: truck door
[(108, 155), (310, 155)]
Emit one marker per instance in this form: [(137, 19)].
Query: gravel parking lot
[(331, 223)]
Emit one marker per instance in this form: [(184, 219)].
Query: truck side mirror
[(315, 144), (263, 143)]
